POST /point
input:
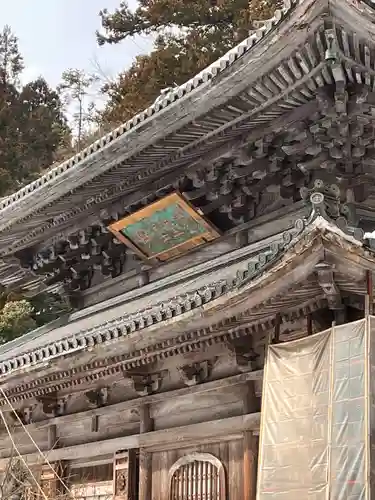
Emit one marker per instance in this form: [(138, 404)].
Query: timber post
[(369, 297), (145, 458), (249, 465), (124, 475), (53, 480), (52, 436), (250, 403)]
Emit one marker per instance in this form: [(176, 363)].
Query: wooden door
[(197, 477)]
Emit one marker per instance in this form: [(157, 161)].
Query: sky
[(55, 35)]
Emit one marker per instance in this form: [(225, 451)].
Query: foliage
[(19, 315), (48, 307), (190, 36), (34, 131), (74, 89), (42, 128), (201, 16), (11, 62), (15, 320), (32, 124), (15, 481)]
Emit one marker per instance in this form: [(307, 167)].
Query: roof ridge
[(159, 104)]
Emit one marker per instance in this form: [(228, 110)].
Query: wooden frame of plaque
[(166, 229)]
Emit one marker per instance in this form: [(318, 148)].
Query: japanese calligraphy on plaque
[(165, 229)]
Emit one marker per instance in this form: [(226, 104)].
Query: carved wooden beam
[(211, 431)]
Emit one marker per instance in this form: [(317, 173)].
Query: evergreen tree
[(20, 315), (15, 320), (74, 89), (11, 65), (9, 137), (190, 36), (33, 130), (11, 61), (32, 124), (229, 17), (48, 307), (42, 128)]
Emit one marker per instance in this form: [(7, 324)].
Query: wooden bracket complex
[(244, 354), (196, 373), (52, 406), (327, 283), (97, 398), (25, 415), (145, 384)]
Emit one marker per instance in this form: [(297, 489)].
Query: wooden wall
[(230, 453)]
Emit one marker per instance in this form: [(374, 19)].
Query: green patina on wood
[(163, 230)]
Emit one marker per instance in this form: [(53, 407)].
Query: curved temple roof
[(136, 311), (140, 146), (160, 103), (233, 281), (97, 158)]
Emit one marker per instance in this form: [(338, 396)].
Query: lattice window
[(199, 476)]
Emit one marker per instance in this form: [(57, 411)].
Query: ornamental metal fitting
[(344, 216)]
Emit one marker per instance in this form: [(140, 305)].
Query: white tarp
[(314, 441)]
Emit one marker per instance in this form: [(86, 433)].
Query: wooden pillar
[(340, 316), (124, 475), (52, 437), (50, 482), (249, 465), (145, 458), (276, 337), (309, 324), (146, 422), (369, 298), (250, 443)]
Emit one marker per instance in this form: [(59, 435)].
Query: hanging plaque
[(165, 229)]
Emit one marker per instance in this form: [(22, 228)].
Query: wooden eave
[(182, 107), (196, 119), (249, 292)]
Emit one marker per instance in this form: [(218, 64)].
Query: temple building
[(222, 237)]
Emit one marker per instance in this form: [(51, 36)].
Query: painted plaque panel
[(164, 229)]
